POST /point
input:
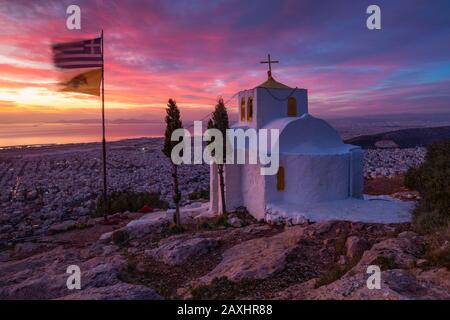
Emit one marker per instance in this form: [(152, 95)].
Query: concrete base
[(373, 209)]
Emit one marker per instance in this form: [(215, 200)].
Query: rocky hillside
[(406, 138), (232, 257)]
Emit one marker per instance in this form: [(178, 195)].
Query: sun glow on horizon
[(197, 56)]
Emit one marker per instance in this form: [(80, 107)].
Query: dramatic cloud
[(195, 51)]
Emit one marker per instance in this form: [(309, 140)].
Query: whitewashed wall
[(266, 108), (253, 190), (311, 178), (357, 173), (233, 193), (270, 108), (246, 94)]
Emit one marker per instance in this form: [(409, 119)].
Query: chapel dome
[(307, 135), (271, 83)]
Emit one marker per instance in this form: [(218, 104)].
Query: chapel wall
[(246, 95), (253, 190), (270, 108), (311, 179), (233, 194), (357, 173)]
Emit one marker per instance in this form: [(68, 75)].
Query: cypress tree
[(220, 121), (173, 122)]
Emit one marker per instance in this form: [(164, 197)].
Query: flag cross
[(92, 45)]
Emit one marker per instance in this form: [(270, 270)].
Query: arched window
[(280, 179), (243, 109), (292, 107), (250, 109)]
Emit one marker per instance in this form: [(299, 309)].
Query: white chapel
[(315, 165)]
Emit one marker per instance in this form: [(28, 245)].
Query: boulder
[(320, 229), (355, 247), (118, 291), (235, 222), (392, 253), (27, 248), (205, 215), (257, 258), (40, 276), (149, 223), (176, 250), (298, 219), (396, 284), (63, 226), (400, 279), (101, 271), (43, 275), (106, 237)]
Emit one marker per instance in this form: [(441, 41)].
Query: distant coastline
[(44, 134), (73, 144), (84, 131)]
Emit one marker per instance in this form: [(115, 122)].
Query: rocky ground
[(46, 226), (231, 257), (391, 162), (44, 187)]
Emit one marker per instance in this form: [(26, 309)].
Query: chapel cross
[(270, 64)]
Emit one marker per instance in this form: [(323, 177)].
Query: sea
[(13, 134), (42, 133)]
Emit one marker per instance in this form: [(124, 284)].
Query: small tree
[(432, 180), (173, 122), (220, 121)]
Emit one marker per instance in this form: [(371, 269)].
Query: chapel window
[(250, 109), (280, 179), (243, 109), (292, 107)]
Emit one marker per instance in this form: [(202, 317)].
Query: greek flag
[(78, 54)]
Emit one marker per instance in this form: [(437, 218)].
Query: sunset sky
[(194, 51)]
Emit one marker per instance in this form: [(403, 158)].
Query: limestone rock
[(106, 237), (326, 229), (296, 292), (62, 227), (27, 248), (256, 258), (298, 219), (400, 252), (399, 278), (235, 222), (119, 291), (355, 247), (396, 284), (99, 272), (24, 278), (43, 275), (176, 251), (151, 222)]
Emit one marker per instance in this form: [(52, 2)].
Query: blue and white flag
[(78, 54)]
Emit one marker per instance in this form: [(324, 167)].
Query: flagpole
[(105, 190)]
